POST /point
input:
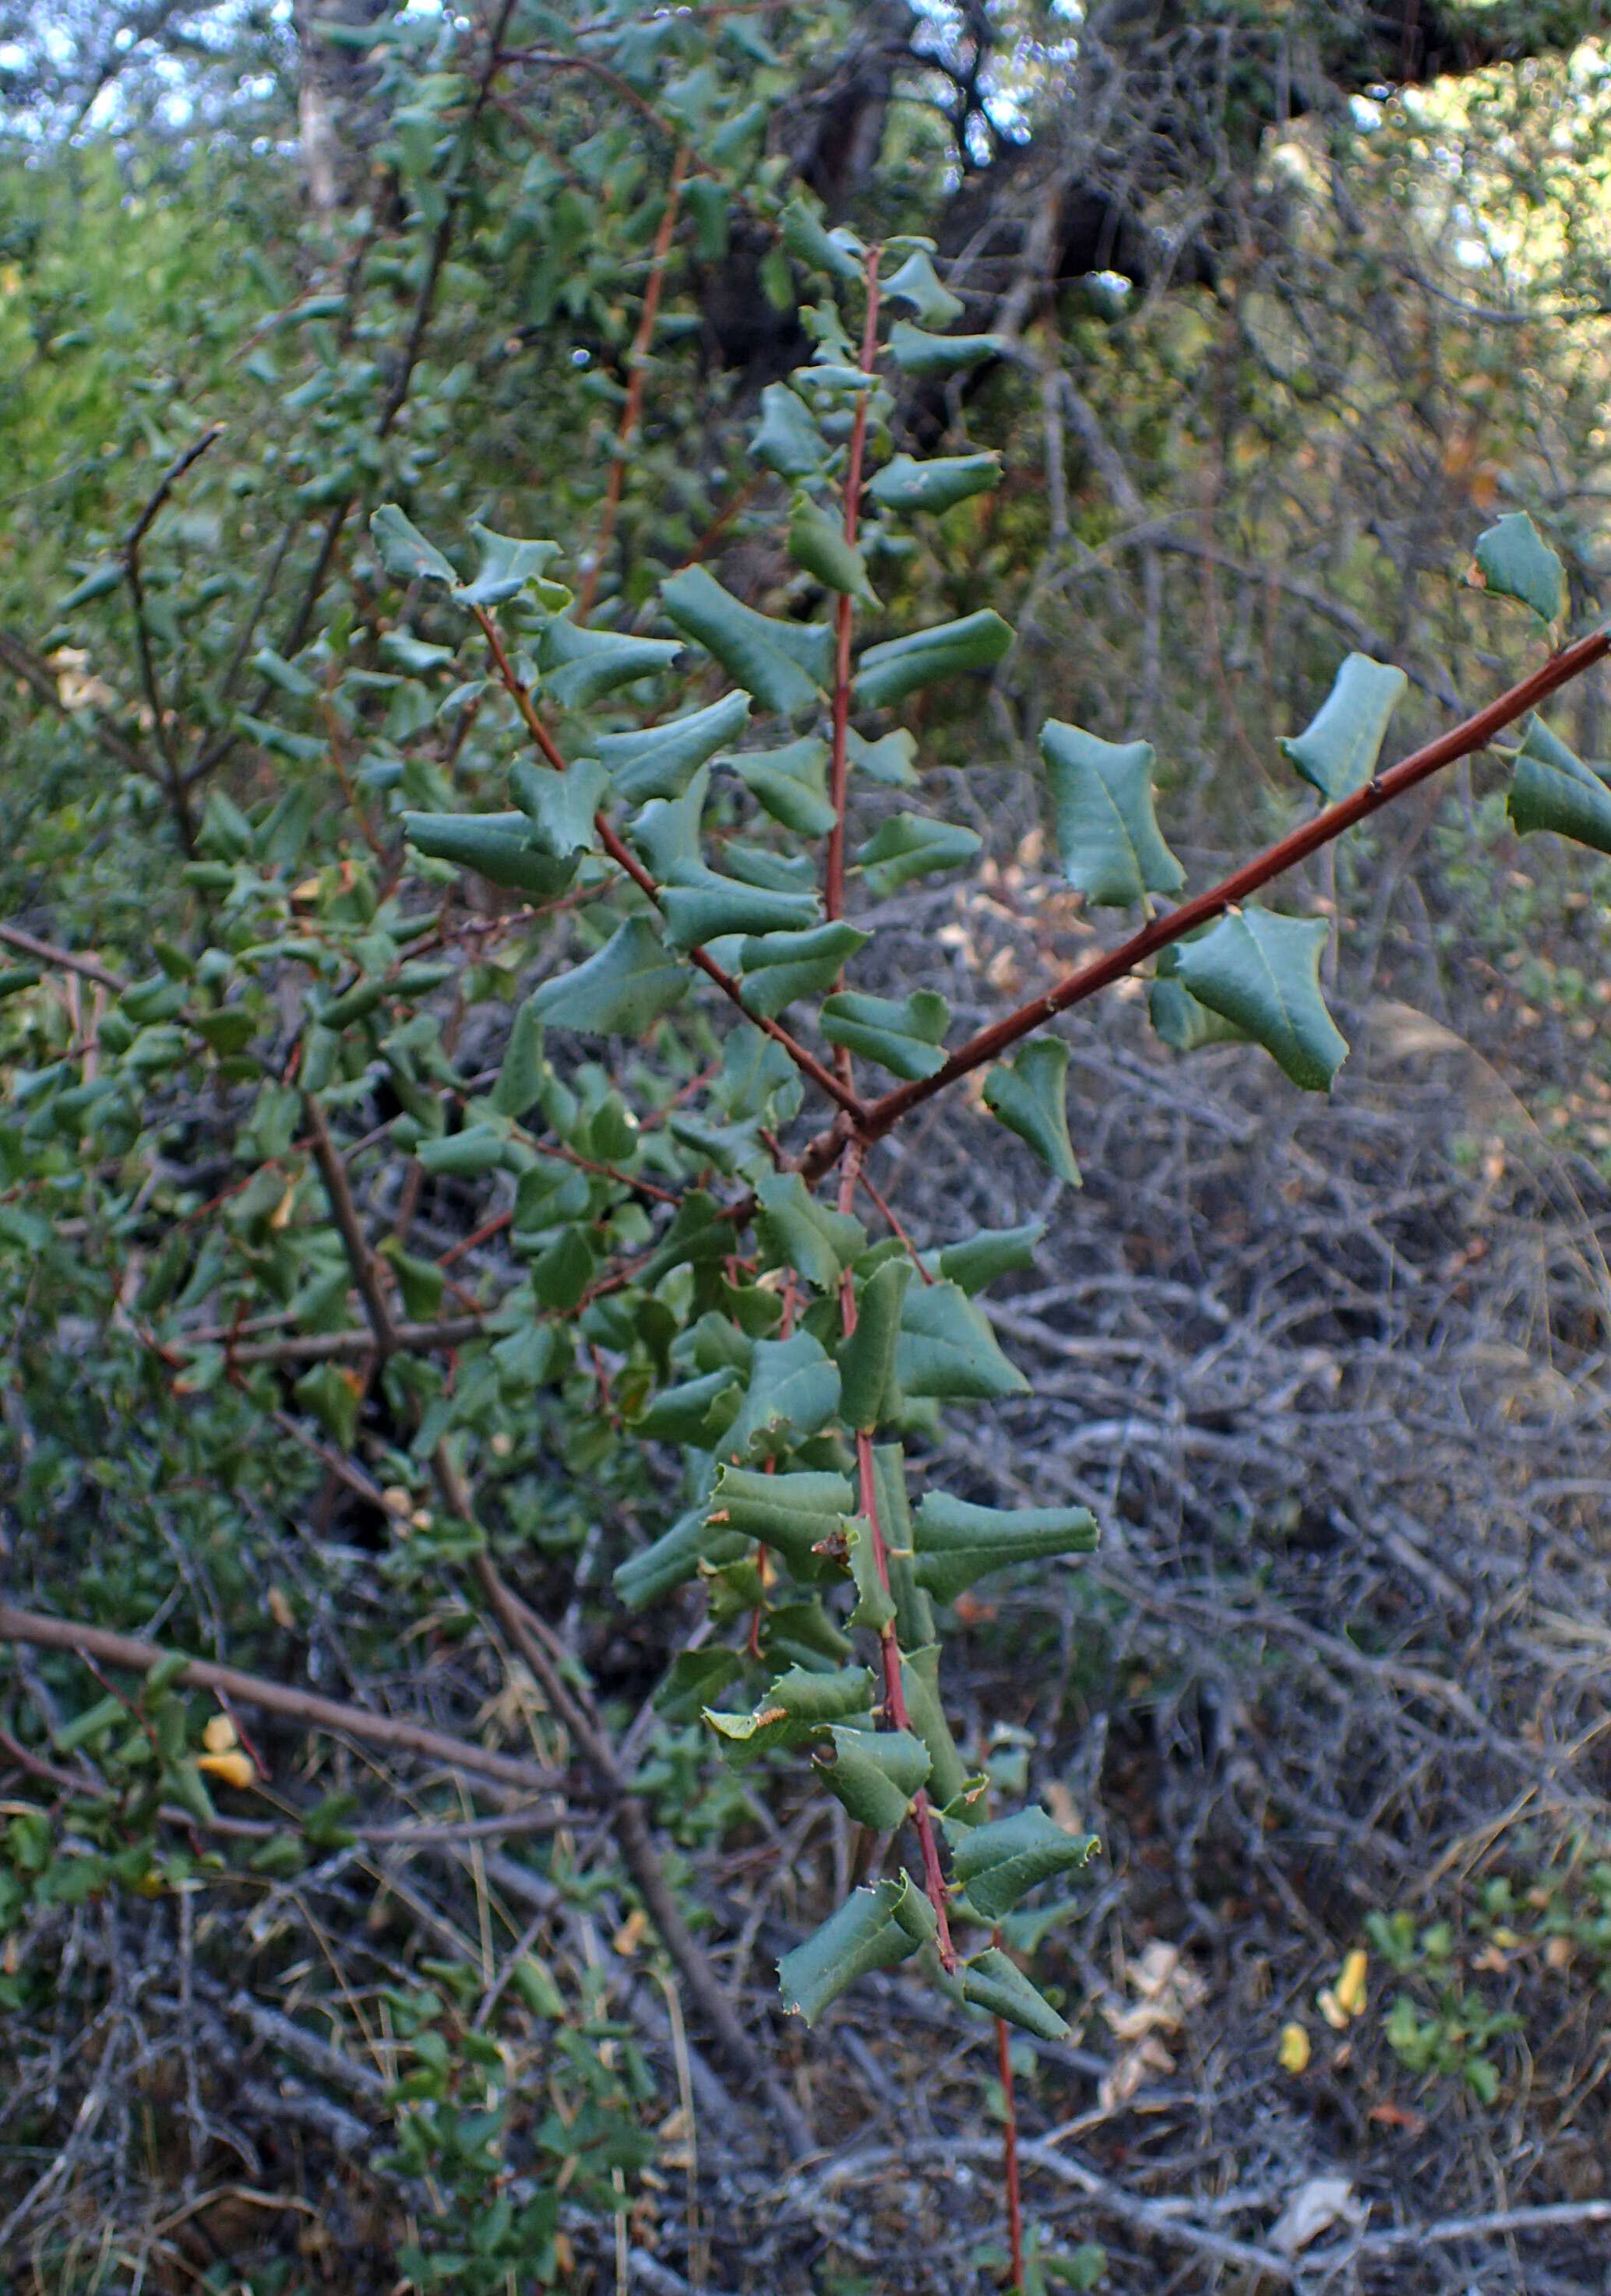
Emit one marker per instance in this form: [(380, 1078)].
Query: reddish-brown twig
[(1461, 741), (631, 413), (839, 772)]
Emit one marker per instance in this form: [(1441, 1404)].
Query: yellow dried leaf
[(1332, 2010), (1350, 1984), (234, 1768), (280, 1610), (1292, 2055), (219, 1734), (631, 1933)]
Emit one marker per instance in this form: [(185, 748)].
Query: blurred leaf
[(927, 355), (905, 485), (786, 440), (917, 285), (1514, 559)]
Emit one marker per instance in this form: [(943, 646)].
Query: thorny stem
[(1460, 742), (632, 411), (833, 872), (894, 1691)]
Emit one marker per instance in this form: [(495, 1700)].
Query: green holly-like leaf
[(948, 1350), (916, 352), (866, 1358), (404, 551), (888, 760), (795, 1230), (913, 1615), (920, 1686), (498, 846), (698, 1412), (693, 1681), (888, 673), (874, 1774), (523, 1073), (1184, 1024), (792, 1512), (1337, 753), (332, 1396), (917, 285), (661, 760), (675, 1557), (790, 783), (780, 967), (978, 1259), (957, 1543), (620, 991), (1553, 788), (1107, 833), (874, 1604), (1261, 972), (794, 1392), (873, 1929), (784, 665), (786, 440), (560, 807), (697, 902), (581, 666), (507, 566), (1513, 559), (910, 845), (1029, 1096), (714, 906), (991, 1982), (794, 1707), (903, 1037), (816, 541), (838, 252), (1000, 1863), (905, 485)]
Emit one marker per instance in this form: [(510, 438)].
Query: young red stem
[(1009, 2148), (1460, 742), (894, 1691), (631, 414), (833, 875)]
